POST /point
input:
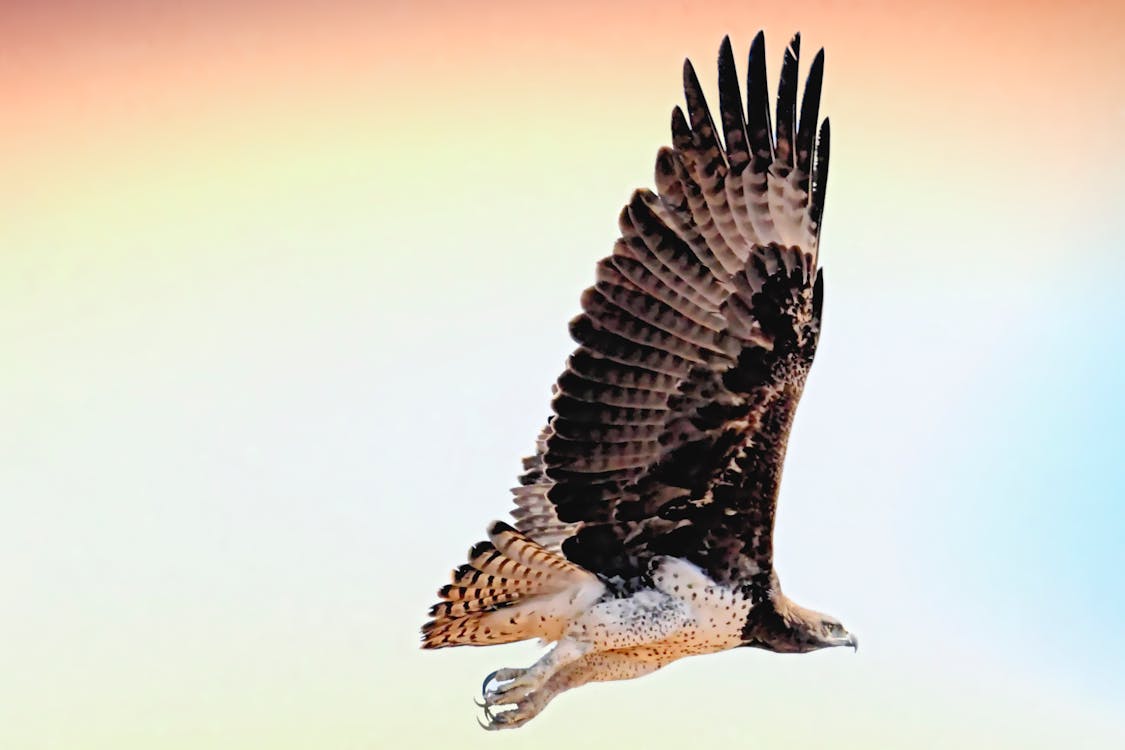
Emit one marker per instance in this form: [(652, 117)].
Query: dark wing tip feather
[(759, 41), (820, 175), (681, 133), (810, 112), (758, 126), (693, 91), (699, 115), (706, 153), (665, 165), (730, 109), (689, 74), (787, 100)]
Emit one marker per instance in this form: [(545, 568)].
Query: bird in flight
[(644, 522)]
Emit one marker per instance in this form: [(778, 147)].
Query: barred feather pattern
[(670, 421), (534, 514), (511, 589)]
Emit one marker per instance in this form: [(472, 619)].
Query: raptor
[(643, 526)]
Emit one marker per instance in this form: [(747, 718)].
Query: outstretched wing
[(671, 419)]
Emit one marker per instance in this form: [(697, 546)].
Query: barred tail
[(511, 589)]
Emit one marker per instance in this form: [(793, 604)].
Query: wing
[(535, 514), (672, 416)]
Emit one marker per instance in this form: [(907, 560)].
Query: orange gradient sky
[(257, 259), (121, 93), (1012, 70)]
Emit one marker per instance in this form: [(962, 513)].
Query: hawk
[(644, 522)]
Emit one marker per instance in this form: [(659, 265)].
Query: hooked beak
[(853, 642)]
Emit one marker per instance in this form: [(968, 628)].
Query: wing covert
[(670, 421)]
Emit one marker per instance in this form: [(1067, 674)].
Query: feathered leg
[(604, 637), (599, 666)]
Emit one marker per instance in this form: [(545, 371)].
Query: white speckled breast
[(685, 613), (717, 613)]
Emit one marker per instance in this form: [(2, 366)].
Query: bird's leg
[(506, 682), (646, 617), (598, 666), (628, 624)]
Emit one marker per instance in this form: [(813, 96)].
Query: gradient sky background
[(283, 288)]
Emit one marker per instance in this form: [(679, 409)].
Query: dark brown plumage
[(644, 520)]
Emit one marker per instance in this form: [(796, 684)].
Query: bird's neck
[(780, 624)]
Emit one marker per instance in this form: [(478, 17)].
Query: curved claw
[(487, 679), (494, 720), (487, 715)]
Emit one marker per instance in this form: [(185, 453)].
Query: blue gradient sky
[(284, 291)]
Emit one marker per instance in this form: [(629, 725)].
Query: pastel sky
[(283, 287)]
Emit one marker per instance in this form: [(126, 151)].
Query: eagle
[(643, 524)]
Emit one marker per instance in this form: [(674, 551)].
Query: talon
[(507, 687), (487, 679), (487, 715)]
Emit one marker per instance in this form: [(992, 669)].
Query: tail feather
[(519, 548), (511, 589), (483, 601), (488, 586)]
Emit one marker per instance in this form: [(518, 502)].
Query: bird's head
[(827, 632), (796, 630)]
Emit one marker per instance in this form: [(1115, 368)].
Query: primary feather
[(671, 419), (662, 458)]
